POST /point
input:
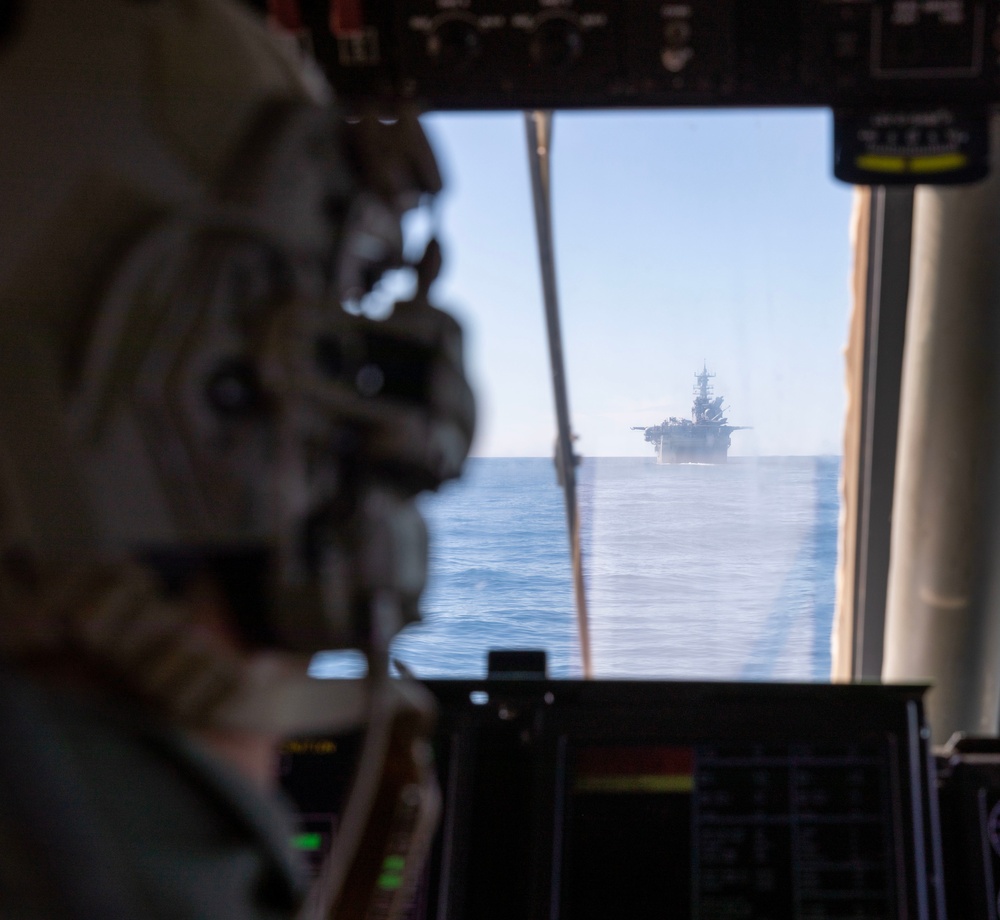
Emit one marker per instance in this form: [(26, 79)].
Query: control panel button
[(677, 33)]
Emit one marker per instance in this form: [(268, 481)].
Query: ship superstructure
[(704, 438)]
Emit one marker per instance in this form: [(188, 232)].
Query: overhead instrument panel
[(909, 80), (521, 54)]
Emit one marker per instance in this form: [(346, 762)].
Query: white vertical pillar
[(943, 612)]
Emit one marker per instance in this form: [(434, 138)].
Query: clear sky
[(681, 237)]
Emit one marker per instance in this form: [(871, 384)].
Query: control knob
[(556, 42), (454, 44)]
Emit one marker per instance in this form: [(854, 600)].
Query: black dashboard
[(583, 800)]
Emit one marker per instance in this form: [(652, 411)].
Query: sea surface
[(692, 571)]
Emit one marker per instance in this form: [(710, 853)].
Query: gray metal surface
[(539, 133), (890, 221)]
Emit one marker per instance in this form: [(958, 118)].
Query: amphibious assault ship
[(704, 438)]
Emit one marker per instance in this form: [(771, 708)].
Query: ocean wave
[(691, 571)]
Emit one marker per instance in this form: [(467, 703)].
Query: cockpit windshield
[(703, 263)]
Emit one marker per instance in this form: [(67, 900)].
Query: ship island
[(703, 438)]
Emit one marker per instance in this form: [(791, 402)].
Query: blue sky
[(681, 237)]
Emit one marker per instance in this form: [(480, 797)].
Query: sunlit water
[(692, 570)]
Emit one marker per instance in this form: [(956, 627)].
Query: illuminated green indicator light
[(936, 163), (307, 841), (875, 163), (942, 162), (391, 878)]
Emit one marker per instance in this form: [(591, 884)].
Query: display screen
[(315, 773), (709, 831), (929, 38), (628, 833)]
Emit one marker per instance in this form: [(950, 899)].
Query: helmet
[(188, 416)]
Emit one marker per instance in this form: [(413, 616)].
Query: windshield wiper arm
[(539, 131)]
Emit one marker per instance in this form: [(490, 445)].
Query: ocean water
[(692, 571)]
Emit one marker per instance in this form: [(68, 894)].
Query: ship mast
[(703, 389), (702, 392)]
